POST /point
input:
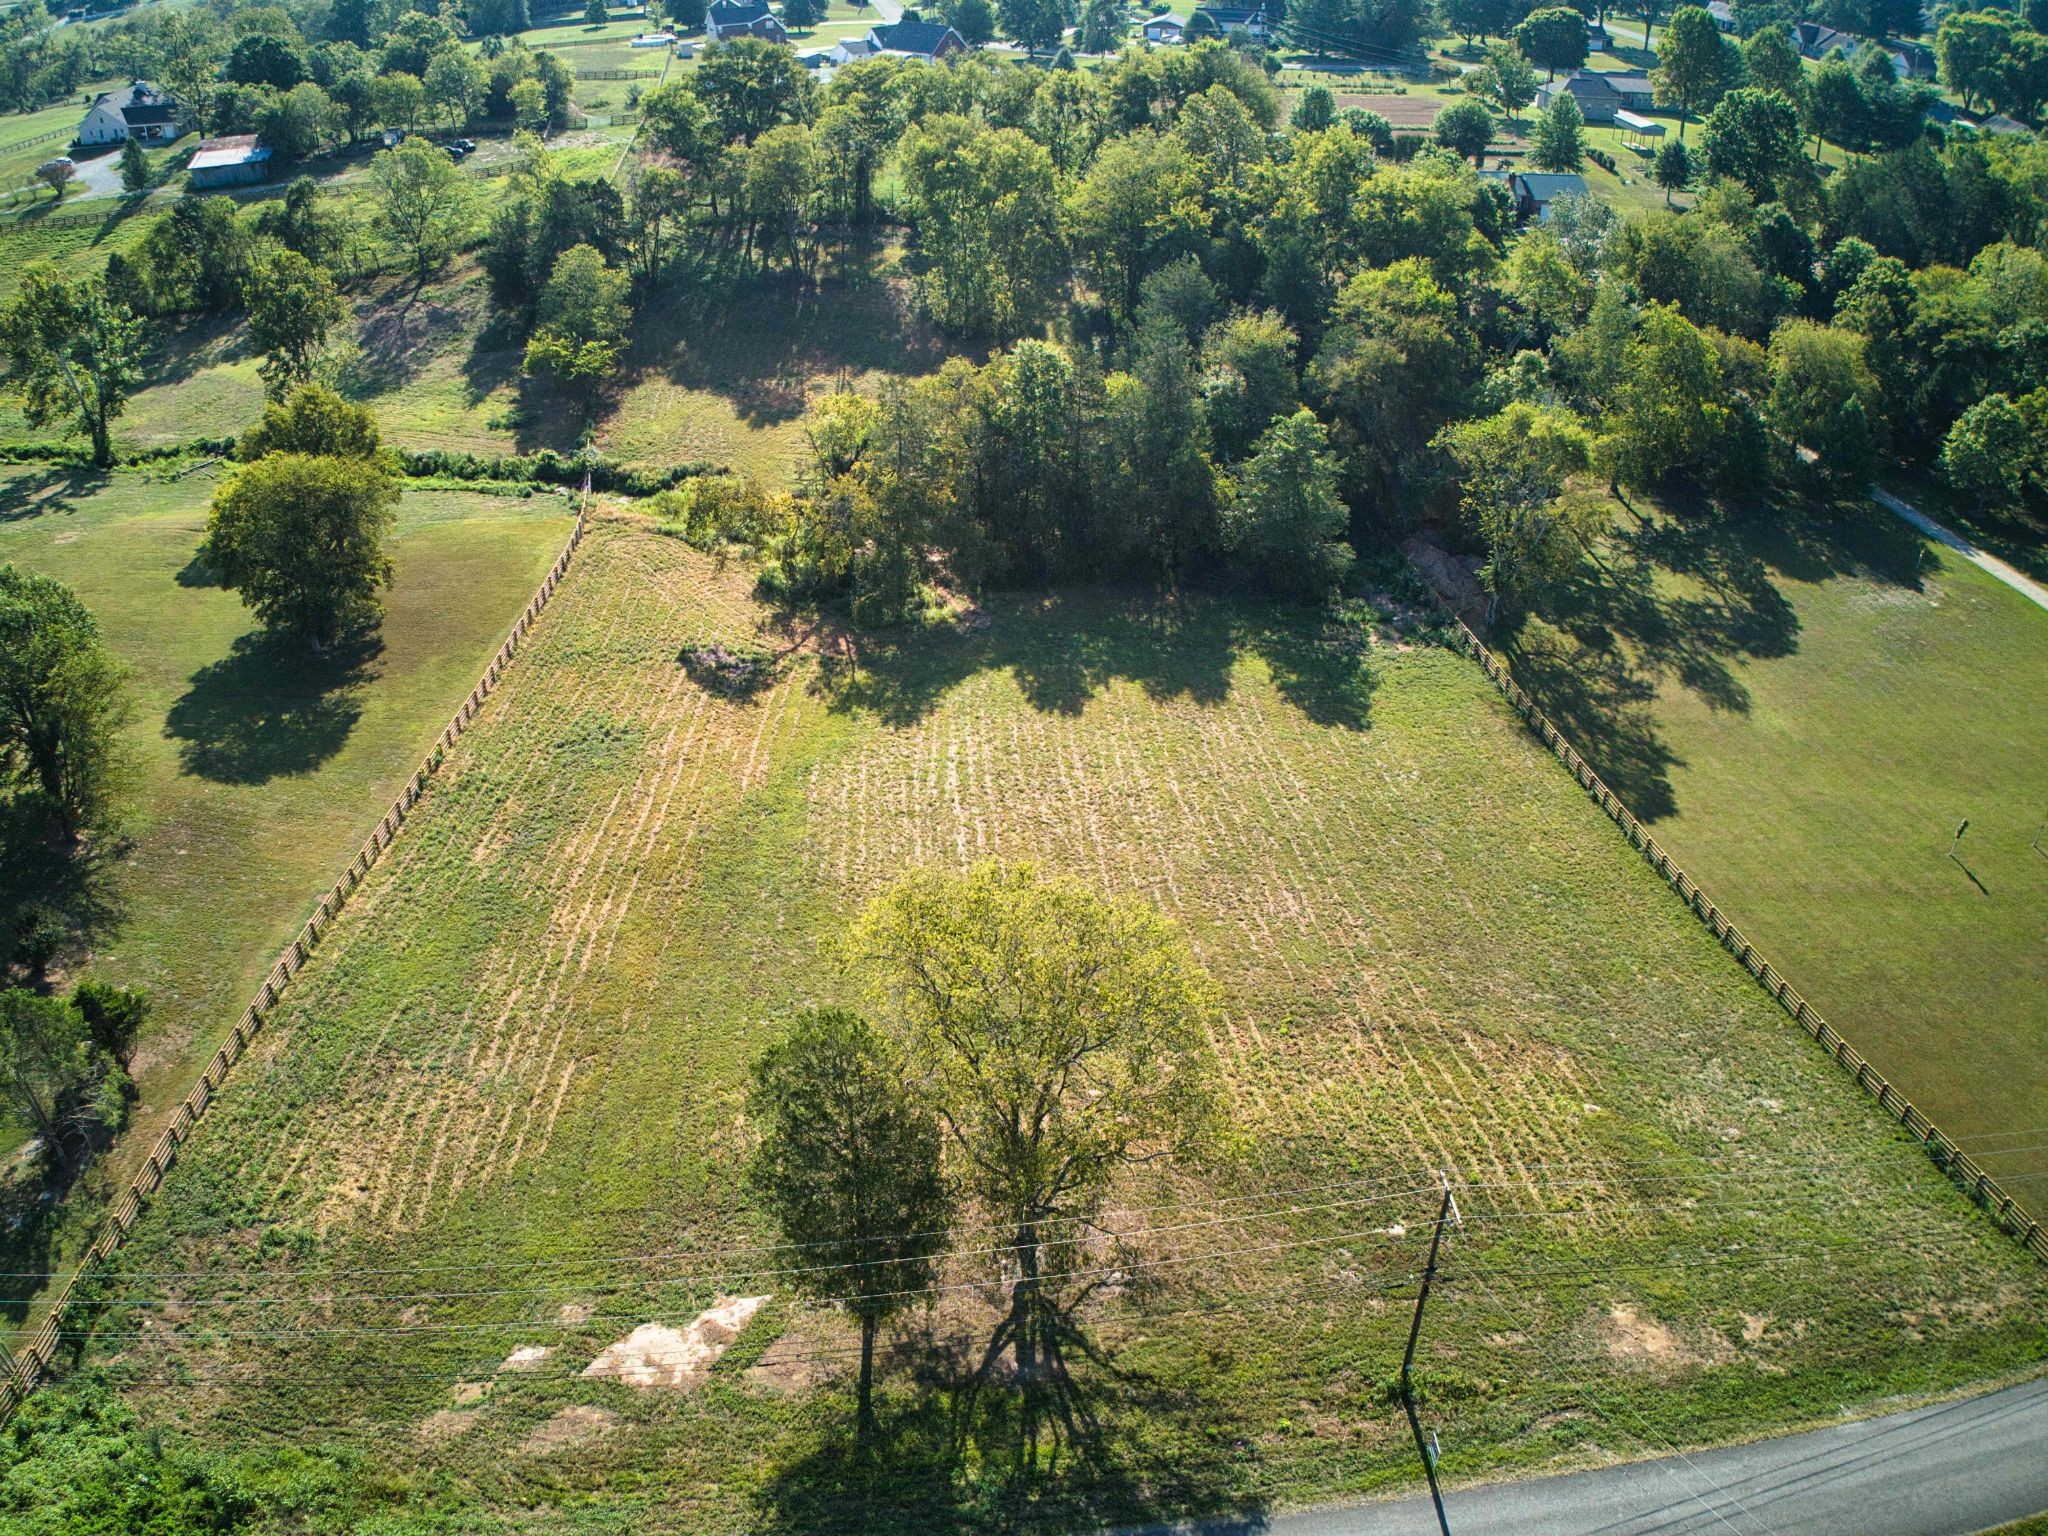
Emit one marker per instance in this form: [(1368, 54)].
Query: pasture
[(502, 1110), (1804, 707), (256, 769)]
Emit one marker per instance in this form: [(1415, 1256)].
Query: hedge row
[(544, 468)]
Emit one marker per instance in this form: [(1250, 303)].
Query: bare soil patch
[(573, 1426), (656, 1356), (1401, 111)]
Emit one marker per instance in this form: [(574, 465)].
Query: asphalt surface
[(1949, 1470)]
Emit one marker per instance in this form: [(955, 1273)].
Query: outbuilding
[(233, 161)]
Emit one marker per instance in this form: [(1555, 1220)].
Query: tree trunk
[(1024, 1303)]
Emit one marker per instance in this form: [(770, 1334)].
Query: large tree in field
[(1060, 1035), (848, 1166), (301, 537), (422, 203), (1036, 24), (62, 700), (72, 352), (292, 307), (1753, 137), (1465, 128), (1695, 64), (312, 420), (1554, 37), (583, 315)]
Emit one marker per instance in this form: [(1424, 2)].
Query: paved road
[(2019, 581), (1943, 1471)]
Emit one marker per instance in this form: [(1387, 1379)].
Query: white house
[(1228, 21), (137, 111), (743, 18), (1164, 29)]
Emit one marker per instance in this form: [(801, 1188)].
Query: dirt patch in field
[(653, 1355), (445, 1424), (570, 1428), (527, 1357), (1401, 111)]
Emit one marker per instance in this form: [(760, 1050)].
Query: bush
[(1604, 160)]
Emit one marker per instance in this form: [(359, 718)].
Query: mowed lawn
[(1806, 708), (257, 769), (503, 1109)]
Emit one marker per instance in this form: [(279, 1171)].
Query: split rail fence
[(25, 1366), (2005, 1211)]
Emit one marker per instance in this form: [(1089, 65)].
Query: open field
[(502, 1107), (256, 769), (1805, 713)]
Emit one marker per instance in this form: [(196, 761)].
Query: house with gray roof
[(926, 40), (137, 111)]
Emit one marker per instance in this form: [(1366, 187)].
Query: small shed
[(235, 160), (1637, 132)]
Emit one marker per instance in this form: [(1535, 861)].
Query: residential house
[(1165, 29), (1816, 41), (137, 111), (1998, 122), (848, 49), (1534, 191), (235, 160), (1723, 14), (743, 18), (1228, 21), (1599, 96), (926, 40)]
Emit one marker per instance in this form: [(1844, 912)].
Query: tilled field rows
[(504, 1106)]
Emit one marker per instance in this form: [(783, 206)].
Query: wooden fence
[(1958, 1164), (26, 1365)]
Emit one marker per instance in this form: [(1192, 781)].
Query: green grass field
[(256, 771), (1805, 708), (502, 1107)]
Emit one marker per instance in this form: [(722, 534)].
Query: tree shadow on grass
[(1065, 647), (54, 489), (761, 341), (1685, 599), (973, 1449), (270, 708)]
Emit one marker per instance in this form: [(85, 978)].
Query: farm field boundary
[(2004, 1209), (24, 1367)]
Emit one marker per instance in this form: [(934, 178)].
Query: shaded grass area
[(257, 768), (1806, 706), (504, 1105), (718, 371)]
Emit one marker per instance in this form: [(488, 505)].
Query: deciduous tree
[(72, 352), (1282, 519), (1060, 1035), (1554, 37), (848, 1167), (1465, 128), (301, 538), (63, 700), (422, 203), (292, 307)]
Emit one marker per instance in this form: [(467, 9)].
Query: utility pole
[(1447, 1212)]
